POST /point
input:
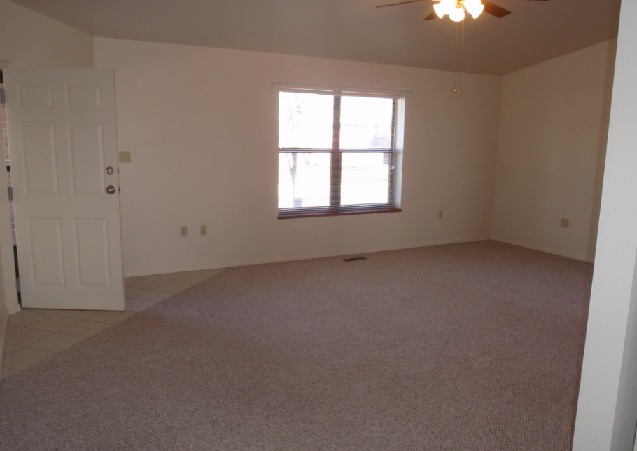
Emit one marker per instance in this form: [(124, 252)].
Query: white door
[(62, 139)]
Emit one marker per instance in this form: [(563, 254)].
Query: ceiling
[(351, 29)]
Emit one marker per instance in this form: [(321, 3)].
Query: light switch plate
[(124, 157)]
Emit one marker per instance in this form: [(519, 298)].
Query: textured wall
[(33, 40), (202, 127), (553, 124), (607, 406)]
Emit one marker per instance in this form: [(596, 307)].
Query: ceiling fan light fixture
[(444, 7), (473, 7), (457, 14), (455, 9)]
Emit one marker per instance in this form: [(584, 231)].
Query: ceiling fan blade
[(495, 10), (400, 3), (431, 16)]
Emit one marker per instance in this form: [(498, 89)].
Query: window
[(337, 153)]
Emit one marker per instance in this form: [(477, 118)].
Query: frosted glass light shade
[(456, 9), (444, 7), (474, 7), (457, 14)]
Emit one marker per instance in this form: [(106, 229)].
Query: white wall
[(28, 39), (607, 405), (553, 124), (201, 124), (31, 39)]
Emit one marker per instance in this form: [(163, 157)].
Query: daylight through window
[(337, 153)]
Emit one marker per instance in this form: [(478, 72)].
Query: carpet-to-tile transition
[(34, 335), (471, 346)]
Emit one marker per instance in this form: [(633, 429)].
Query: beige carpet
[(461, 347)]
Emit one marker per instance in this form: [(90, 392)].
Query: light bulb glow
[(455, 9), (457, 14), (444, 7), (474, 7), (439, 10)]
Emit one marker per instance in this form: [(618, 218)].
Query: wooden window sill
[(345, 212)]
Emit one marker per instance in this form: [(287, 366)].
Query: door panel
[(46, 259), (40, 158), (92, 251), (87, 159), (61, 126)]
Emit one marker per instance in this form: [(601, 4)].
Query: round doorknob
[(110, 189)]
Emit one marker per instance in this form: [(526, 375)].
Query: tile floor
[(34, 335)]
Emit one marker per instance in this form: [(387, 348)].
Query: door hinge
[(10, 190), (3, 99)]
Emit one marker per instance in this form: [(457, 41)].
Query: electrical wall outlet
[(184, 230), (564, 223), (203, 230), (439, 214)]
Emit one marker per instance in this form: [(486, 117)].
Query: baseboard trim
[(548, 250), (138, 272)]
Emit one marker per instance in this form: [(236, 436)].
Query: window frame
[(336, 158)]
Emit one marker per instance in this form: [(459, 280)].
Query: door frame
[(7, 261)]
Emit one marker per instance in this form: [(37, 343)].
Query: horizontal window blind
[(337, 153)]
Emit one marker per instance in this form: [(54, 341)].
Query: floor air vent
[(354, 259)]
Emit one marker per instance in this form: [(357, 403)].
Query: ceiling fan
[(456, 8)]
